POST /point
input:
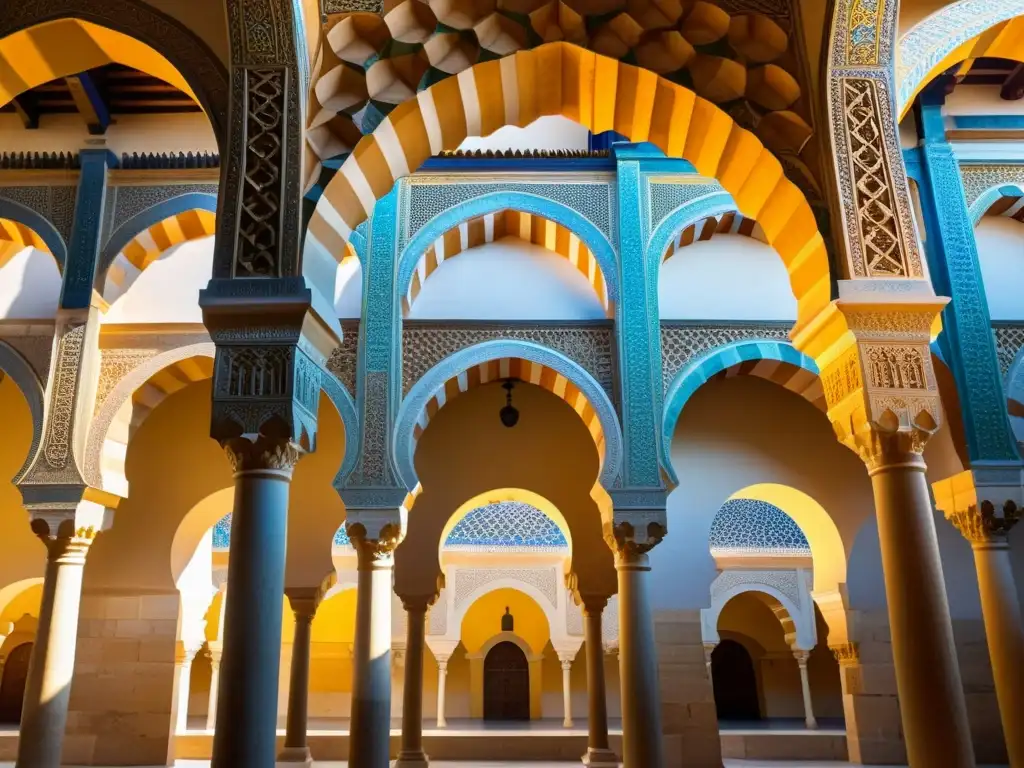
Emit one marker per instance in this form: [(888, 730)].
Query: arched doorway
[(734, 682), (12, 686), (506, 683)]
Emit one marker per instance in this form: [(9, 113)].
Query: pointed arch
[(773, 360), (488, 228), (601, 94), (64, 37), (24, 375), (138, 242), (1003, 200), (496, 360), (705, 228), (21, 227)]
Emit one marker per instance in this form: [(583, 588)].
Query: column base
[(411, 760), (292, 756), (600, 758)]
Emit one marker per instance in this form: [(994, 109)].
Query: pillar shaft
[(295, 746), (567, 693), (638, 665), (211, 709), (247, 702), (1004, 631), (805, 688), (922, 634), (412, 695), (598, 750), (48, 686), (442, 677), (184, 673), (371, 684)]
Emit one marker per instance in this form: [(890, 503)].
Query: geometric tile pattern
[(506, 526), (222, 534), (755, 528)]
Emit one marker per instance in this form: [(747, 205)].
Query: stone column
[(183, 669), (638, 661), (805, 687), (1000, 608), (246, 731), (304, 603), (599, 754), (211, 709), (48, 685), (927, 671), (371, 682), (412, 753), (566, 692), (709, 648), (442, 677)]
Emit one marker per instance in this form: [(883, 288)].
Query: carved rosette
[(982, 525), (877, 376)]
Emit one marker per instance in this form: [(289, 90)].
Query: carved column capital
[(847, 654), (70, 520), (984, 525), (709, 648), (375, 548), (801, 656), (262, 454), (304, 602), (630, 541)]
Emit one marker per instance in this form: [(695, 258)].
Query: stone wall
[(124, 690), (687, 701)]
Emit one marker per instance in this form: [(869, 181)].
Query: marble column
[(211, 709), (412, 753), (183, 669), (296, 750), (638, 663), (48, 685), (805, 687), (1000, 609), (599, 753), (442, 677), (371, 683), (566, 692), (246, 732), (931, 694)]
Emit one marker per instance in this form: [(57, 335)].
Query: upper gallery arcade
[(647, 370)]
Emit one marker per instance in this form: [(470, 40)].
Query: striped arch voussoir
[(601, 94), (494, 226), (724, 224)]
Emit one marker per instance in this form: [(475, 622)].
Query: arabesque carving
[(984, 526)]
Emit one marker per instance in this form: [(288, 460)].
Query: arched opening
[(12, 684), (31, 261), (506, 683), (512, 265), (734, 682)]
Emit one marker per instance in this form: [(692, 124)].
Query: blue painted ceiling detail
[(506, 525), (749, 527)]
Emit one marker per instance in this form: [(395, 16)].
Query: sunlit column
[(304, 605), (183, 669), (566, 691), (48, 685), (442, 677), (371, 684), (211, 710), (412, 753), (805, 687)]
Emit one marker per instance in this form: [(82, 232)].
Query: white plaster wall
[(127, 133), (1001, 254), (729, 277), (167, 291), (348, 290), (29, 286), (980, 100), (505, 280), (553, 132)]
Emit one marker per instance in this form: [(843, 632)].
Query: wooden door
[(506, 683), (12, 686)]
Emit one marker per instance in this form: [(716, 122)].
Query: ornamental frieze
[(683, 342), (590, 345)]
